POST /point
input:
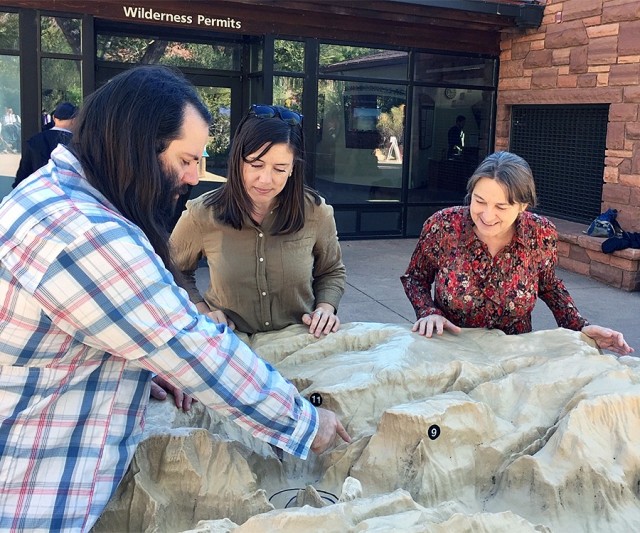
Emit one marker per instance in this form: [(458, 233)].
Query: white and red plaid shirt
[(87, 313)]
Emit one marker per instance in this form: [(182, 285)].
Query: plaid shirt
[(88, 313)]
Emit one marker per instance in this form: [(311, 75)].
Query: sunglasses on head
[(272, 111)]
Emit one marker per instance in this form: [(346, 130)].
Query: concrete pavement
[(374, 292)]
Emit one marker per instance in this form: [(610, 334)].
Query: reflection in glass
[(338, 60), (124, 49), (61, 81), (360, 141), (9, 140), (287, 91), (441, 68), (9, 31), (218, 101), (60, 35), (288, 56), (437, 173)]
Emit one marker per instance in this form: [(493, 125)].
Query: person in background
[(270, 242), (491, 260), (38, 148), (455, 137), (92, 311), (11, 129)]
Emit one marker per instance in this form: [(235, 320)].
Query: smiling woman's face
[(494, 217)]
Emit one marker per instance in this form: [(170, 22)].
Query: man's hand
[(160, 387), (328, 427)]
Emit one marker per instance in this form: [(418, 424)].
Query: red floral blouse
[(475, 290)]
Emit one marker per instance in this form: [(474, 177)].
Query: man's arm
[(108, 289)]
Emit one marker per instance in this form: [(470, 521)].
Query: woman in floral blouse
[(491, 260)]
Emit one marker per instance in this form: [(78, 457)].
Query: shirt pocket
[(297, 264)]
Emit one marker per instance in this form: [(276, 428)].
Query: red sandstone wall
[(585, 51)]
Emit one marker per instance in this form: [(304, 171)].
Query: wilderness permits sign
[(203, 21)]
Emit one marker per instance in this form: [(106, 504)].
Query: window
[(10, 128), (61, 65), (360, 141), (565, 147)]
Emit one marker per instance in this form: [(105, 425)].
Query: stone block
[(617, 13), (616, 193), (602, 51), (598, 256), (512, 69), (623, 112), (566, 35), (578, 253), (538, 59), (519, 50), (544, 78), (580, 9), (622, 60), (631, 95), (574, 266), (611, 175), (625, 75), (561, 56), (514, 83), (629, 38), (606, 274), (590, 243), (624, 264), (563, 248), (578, 59), (629, 218), (615, 135), (603, 30), (630, 281), (634, 196), (587, 80), (633, 130), (613, 161), (632, 180), (570, 81)]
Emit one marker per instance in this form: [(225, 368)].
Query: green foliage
[(288, 56), (9, 31), (391, 123)]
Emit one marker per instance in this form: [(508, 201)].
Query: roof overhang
[(525, 14)]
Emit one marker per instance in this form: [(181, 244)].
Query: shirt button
[(260, 234), (266, 323), (264, 293), (261, 259)]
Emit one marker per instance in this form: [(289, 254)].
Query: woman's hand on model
[(322, 321), (608, 339), (328, 427), (426, 325)]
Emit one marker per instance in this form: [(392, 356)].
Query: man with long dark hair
[(91, 311)]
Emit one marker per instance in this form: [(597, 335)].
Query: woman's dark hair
[(511, 171), (119, 133), (231, 202)]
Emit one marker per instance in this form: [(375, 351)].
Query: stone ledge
[(580, 253)]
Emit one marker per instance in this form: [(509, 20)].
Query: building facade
[(576, 78), (383, 87)]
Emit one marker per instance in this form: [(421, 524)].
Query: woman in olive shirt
[(270, 242)]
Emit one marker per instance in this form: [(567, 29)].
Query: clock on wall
[(450, 93)]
